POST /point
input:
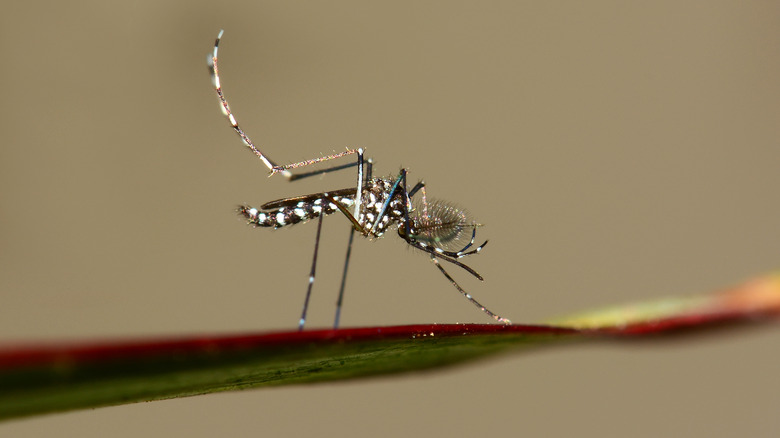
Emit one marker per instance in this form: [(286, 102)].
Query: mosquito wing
[(289, 202)]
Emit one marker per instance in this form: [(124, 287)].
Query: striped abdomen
[(300, 211)]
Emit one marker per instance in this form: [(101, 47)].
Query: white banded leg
[(358, 201), (468, 295), (313, 272), (212, 61)]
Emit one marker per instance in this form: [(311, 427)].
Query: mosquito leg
[(468, 295), (358, 201), (417, 187), (355, 224), (407, 204), (407, 230), (212, 61), (311, 274), (420, 186), (287, 167), (297, 176), (369, 169), (343, 279), (360, 183), (462, 252), (436, 252), (214, 69)]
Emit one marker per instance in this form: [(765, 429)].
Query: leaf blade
[(44, 378)]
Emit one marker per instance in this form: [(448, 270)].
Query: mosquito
[(373, 206)]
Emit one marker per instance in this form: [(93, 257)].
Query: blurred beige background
[(615, 151)]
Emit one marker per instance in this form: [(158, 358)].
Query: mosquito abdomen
[(291, 214)]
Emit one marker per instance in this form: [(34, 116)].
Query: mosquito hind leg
[(296, 176), (213, 64), (214, 70)]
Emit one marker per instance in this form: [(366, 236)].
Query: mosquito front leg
[(440, 255), (468, 295)]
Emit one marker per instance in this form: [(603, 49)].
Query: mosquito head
[(441, 225)]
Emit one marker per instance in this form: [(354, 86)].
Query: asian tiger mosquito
[(434, 227)]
